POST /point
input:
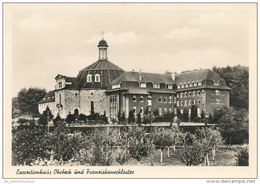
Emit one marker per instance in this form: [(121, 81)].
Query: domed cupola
[(101, 73), (102, 46)]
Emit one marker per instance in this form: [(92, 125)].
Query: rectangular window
[(160, 99), (203, 91), (185, 103), (141, 110), (174, 100), (160, 111), (195, 84), (165, 110), (185, 94), (170, 99), (186, 85), (181, 95), (198, 92), (217, 92), (199, 83), (182, 86), (181, 103), (194, 93), (203, 101), (217, 100), (190, 93), (194, 102), (169, 86), (157, 86), (191, 84), (198, 101), (181, 111), (141, 99), (60, 84), (178, 86), (165, 100), (142, 85), (89, 78), (134, 98), (177, 95), (170, 109), (178, 104), (116, 86), (134, 110), (189, 102)]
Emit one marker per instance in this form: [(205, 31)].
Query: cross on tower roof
[(102, 33)]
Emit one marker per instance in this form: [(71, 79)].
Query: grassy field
[(224, 157)]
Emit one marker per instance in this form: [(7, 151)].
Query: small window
[(170, 109), (165, 100), (217, 100), (181, 95), (203, 101), (195, 84), (157, 86), (203, 91), (170, 99), (60, 84), (198, 101), (134, 98), (89, 78), (178, 96), (169, 86), (97, 78), (141, 110), (194, 93), (178, 86), (160, 111), (178, 104), (142, 85), (160, 99), (217, 92), (186, 85), (191, 85), (182, 86), (189, 102), (181, 103), (185, 103), (198, 92), (141, 99), (165, 110), (181, 111), (134, 110), (194, 102), (199, 83), (190, 93), (185, 94)]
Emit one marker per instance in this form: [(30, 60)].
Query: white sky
[(51, 39)]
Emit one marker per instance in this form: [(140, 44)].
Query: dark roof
[(107, 70), (71, 83), (200, 75), (154, 78), (197, 75), (102, 43), (49, 97)]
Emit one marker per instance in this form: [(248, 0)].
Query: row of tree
[(36, 147)]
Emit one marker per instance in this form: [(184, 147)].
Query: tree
[(156, 112), (237, 79), (193, 114), (70, 118), (82, 117), (119, 117), (56, 120), (123, 118), (190, 151), (162, 139), (242, 157), (28, 99), (185, 115), (139, 120), (139, 145), (131, 117), (45, 117), (202, 116), (105, 118), (226, 118)]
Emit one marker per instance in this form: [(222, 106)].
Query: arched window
[(97, 78), (76, 112), (89, 78)]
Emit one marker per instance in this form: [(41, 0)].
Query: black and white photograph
[(123, 88)]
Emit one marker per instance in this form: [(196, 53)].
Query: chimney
[(140, 75), (172, 74)]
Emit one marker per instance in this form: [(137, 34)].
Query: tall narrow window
[(97, 78), (92, 107), (134, 98), (60, 84), (89, 78), (141, 99)]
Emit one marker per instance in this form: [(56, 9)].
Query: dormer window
[(157, 86), (142, 85), (168, 86), (178, 86), (97, 78), (216, 83), (89, 78), (116, 86)]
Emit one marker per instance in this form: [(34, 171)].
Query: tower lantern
[(102, 46)]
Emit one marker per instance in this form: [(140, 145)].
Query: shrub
[(242, 157), (131, 117), (82, 117), (70, 118)]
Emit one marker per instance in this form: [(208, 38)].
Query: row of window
[(165, 110), (189, 111), (97, 78), (190, 93), (161, 99), (191, 102), (217, 100), (189, 84)]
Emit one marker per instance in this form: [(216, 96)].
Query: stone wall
[(98, 96)]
